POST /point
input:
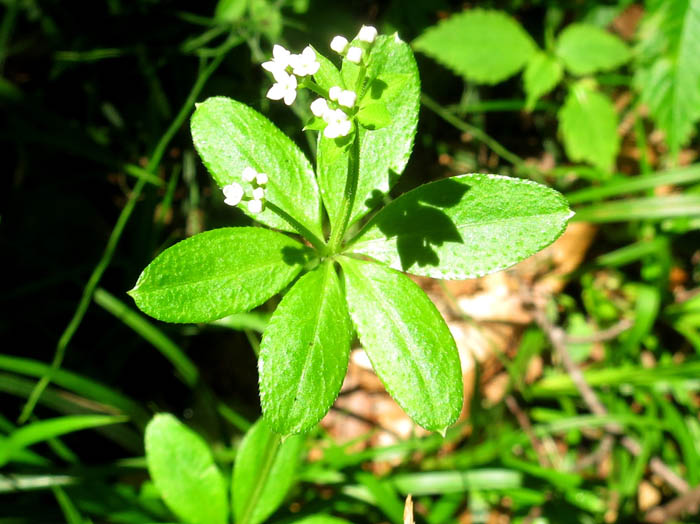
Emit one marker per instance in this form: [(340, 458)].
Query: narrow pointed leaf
[(218, 273), (587, 49), (407, 341), (542, 74), (263, 473), (465, 226), (230, 136), (588, 126), (480, 45), (183, 470), (304, 353), (385, 149)]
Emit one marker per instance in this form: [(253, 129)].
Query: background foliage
[(599, 100)]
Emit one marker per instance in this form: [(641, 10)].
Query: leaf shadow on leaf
[(377, 88), (377, 198), (419, 224), (295, 256)]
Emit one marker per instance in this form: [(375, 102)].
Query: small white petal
[(276, 92), (319, 106), (280, 53), (334, 92), (261, 179), (255, 206), (290, 96), (339, 43), (354, 55), (331, 131), (258, 193), (272, 66), (347, 98), (344, 128), (233, 193), (249, 174), (367, 33)]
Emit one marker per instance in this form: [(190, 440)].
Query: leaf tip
[(442, 432)]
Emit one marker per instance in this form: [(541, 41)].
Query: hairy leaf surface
[(218, 273), (407, 341), (586, 49), (304, 353), (465, 226), (385, 150), (263, 472), (230, 136), (480, 45), (183, 470), (588, 126)]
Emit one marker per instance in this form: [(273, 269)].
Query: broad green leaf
[(182, 467), (668, 73), (263, 473), (218, 273), (587, 49), (407, 341), (588, 126), (44, 430), (393, 81), (327, 75), (374, 115), (465, 226), (480, 45), (230, 136), (304, 353), (542, 74)]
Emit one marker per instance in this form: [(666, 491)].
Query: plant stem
[(299, 228), (349, 194), (114, 238)]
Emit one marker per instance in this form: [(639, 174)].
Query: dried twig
[(688, 503), (524, 422), (602, 336)]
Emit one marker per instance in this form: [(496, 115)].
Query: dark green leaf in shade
[(465, 226), (264, 470), (230, 136), (384, 152), (407, 342), (304, 353), (182, 468), (218, 273)]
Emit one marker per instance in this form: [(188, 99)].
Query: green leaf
[(183, 470), (374, 115), (217, 273), (327, 75), (230, 10), (263, 472), (230, 136), (482, 46), (384, 152), (668, 75), (542, 74), (407, 341), (588, 125), (465, 226), (587, 49), (43, 430), (304, 353), (321, 519)]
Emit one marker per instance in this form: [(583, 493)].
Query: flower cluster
[(337, 109), (285, 68), (235, 193)]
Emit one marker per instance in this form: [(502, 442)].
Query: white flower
[(335, 92), (249, 174), (354, 55), (338, 124), (258, 193), (255, 206), (367, 34), (280, 60), (305, 63), (285, 88), (339, 44), (347, 98), (261, 179), (319, 107), (233, 193)]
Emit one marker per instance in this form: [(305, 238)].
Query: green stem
[(114, 238), (349, 194), (298, 227), (479, 134), (270, 453), (313, 86)]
